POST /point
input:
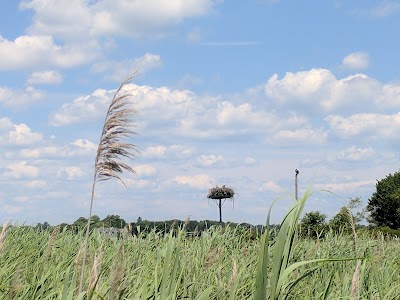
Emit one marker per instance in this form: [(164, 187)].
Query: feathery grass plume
[(355, 283), (234, 274), (353, 228), (3, 234), (51, 241), (118, 274), (95, 273), (118, 124), (17, 283)]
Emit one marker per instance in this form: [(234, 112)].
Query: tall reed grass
[(221, 264)]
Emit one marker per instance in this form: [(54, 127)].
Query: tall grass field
[(224, 263)]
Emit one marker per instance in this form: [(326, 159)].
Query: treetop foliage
[(384, 204)]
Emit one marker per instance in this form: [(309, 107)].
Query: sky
[(235, 93)]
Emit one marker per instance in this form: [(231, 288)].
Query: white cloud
[(228, 114), (20, 98), (73, 18), (120, 70), (35, 184), (85, 145), (271, 186), (82, 109), (22, 135), (145, 170), (28, 52), (181, 151), (372, 126), (250, 160), (356, 154), (346, 187), (79, 147), (17, 134), (139, 183), (304, 136), (385, 8), (154, 152), (45, 77), (12, 209), (70, 173), (356, 61), (208, 160), (21, 170), (318, 89), (200, 181)]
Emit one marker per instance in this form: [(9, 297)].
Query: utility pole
[(296, 172)]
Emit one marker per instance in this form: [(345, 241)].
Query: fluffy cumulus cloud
[(45, 77), (120, 70), (167, 153), (29, 52), (17, 134), (68, 33), (70, 173), (21, 170), (303, 136), (208, 160), (345, 187), (370, 126), (181, 113), (79, 147), (200, 181), (82, 109), (72, 18), (320, 90), (228, 114), (35, 184), (144, 171), (154, 152), (23, 135), (19, 99), (356, 61), (356, 154), (271, 186)]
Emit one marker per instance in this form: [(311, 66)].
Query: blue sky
[(239, 93)]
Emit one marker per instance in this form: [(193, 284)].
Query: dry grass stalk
[(118, 271), (234, 274), (118, 124), (3, 235), (50, 243), (213, 256), (95, 273), (355, 283), (17, 283), (353, 228)]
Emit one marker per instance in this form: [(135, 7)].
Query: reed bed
[(222, 264)]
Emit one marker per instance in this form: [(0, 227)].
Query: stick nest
[(220, 192)]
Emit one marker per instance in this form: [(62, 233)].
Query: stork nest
[(220, 192)]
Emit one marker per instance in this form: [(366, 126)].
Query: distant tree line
[(382, 213)]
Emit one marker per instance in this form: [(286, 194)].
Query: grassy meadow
[(221, 264)]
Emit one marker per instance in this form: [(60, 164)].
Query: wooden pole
[(295, 184), (220, 210)]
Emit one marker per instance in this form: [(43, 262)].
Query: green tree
[(113, 221), (341, 221), (350, 215), (312, 224), (80, 223), (384, 204)]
